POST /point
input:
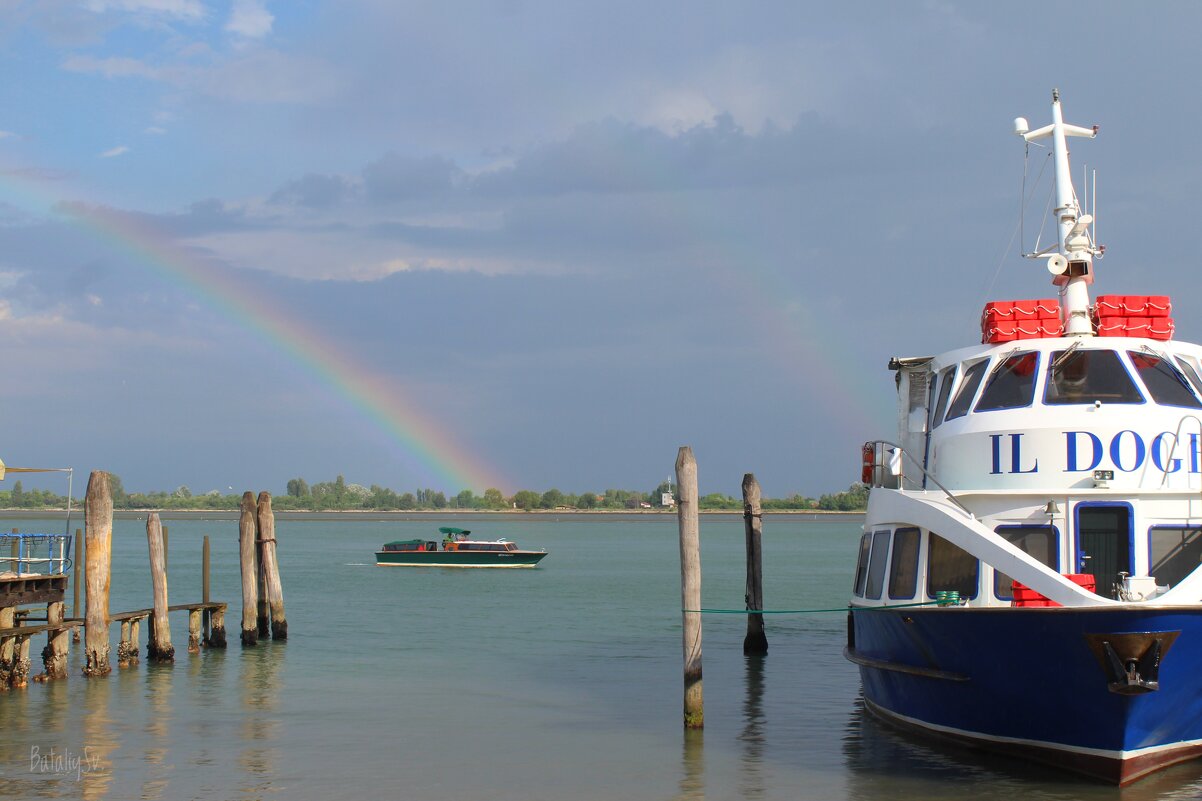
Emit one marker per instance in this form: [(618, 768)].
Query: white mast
[(1072, 266)]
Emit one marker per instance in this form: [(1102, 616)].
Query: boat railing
[(900, 453), (35, 554)]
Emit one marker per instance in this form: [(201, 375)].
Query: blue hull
[(1026, 680)]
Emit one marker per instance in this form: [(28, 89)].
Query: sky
[(528, 245)]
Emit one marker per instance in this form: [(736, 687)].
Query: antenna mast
[(1072, 264)]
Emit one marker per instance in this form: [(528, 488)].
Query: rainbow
[(423, 442)]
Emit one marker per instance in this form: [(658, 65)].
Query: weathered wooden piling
[(263, 619), (20, 668), (158, 646), (204, 589), (690, 586), (272, 587), (7, 645), (98, 522), (753, 517), (216, 636), (214, 618), (127, 645), (194, 617), (247, 534), (54, 655), (76, 567)]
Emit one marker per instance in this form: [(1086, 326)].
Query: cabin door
[(1104, 543)]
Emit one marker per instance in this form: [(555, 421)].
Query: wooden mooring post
[(214, 619), (127, 645), (753, 518), (690, 586), (7, 646), (158, 647), (272, 587), (76, 568), (98, 522), (247, 533), (54, 655)]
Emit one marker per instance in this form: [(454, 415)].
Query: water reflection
[(751, 777), (692, 763), (259, 695), (158, 692), (886, 762), (100, 740), (205, 677)]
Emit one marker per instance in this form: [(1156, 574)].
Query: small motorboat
[(457, 551)]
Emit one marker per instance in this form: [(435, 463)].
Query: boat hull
[(1027, 681), (459, 558)]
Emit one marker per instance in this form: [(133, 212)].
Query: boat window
[(1086, 376), (1191, 372), (1164, 381), (967, 391), (945, 392), (1036, 541), (1011, 385), (903, 567), (951, 568), (876, 565), (862, 565), (1175, 552)]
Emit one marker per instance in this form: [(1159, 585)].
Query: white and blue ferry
[(1028, 576)]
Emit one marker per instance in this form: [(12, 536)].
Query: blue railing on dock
[(35, 554)]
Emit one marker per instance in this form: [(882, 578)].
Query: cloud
[(113, 152), (617, 157), (202, 217), (113, 67), (269, 76), (314, 191), (190, 10), (249, 19), (265, 76), (154, 130), (395, 178), (38, 174), (6, 134)]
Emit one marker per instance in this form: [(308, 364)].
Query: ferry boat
[(457, 551), (1028, 577)]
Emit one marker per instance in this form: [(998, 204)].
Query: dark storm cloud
[(315, 191), (394, 178)]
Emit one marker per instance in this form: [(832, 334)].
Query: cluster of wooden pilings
[(206, 620), (262, 594), (755, 643)]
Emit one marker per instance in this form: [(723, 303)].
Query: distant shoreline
[(540, 515)]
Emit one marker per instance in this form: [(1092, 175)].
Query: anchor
[(1131, 662)]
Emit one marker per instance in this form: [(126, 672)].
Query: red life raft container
[(1025, 596)]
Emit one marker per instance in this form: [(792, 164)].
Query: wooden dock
[(92, 570)]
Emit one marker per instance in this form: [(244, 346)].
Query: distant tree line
[(338, 495)]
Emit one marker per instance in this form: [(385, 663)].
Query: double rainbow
[(423, 441)]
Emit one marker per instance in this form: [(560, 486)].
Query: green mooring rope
[(812, 611)]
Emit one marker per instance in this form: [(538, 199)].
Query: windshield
[(967, 390), (1164, 381), (1011, 385), (1088, 376)]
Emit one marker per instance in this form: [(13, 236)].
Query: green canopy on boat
[(451, 530)]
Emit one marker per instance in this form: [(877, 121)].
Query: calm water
[(452, 685)]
